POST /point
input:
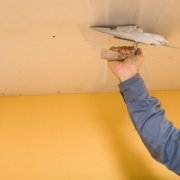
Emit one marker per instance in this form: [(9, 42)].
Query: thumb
[(139, 52)]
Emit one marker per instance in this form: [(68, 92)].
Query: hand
[(125, 70)]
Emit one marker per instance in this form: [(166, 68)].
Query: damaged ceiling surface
[(46, 47)]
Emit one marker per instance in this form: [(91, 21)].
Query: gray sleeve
[(158, 134)]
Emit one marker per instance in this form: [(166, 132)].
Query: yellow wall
[(76, 137)]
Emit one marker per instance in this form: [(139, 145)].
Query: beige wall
[(76, 137), (33, 62)]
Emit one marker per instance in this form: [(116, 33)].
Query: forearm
[(157, 133)]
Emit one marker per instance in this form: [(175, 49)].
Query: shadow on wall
[(114, 12), (109, 119), (153, 16), (123, 12)]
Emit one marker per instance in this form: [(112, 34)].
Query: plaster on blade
[(130, 33)]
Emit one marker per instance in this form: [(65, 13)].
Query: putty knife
[(130, 33)]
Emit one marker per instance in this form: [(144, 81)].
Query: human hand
[(125, 70)]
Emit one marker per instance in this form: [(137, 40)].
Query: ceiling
[(46, 46)]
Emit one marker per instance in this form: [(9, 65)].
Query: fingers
[(139, 52), (124, 50)]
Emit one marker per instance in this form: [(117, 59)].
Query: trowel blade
[(133, 33)]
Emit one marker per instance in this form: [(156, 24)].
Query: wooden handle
[(108, 54), (113, 54)]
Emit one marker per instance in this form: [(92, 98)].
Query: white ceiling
[(32, 61)]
